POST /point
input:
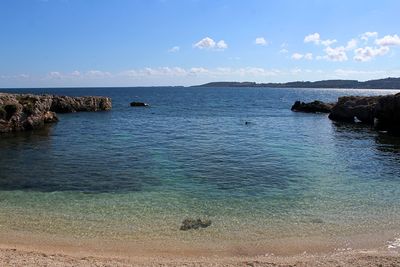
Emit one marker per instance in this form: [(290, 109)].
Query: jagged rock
[(188, 224), (139, 104), (66, 104), (20, 112), (349, 108), (312, 107)]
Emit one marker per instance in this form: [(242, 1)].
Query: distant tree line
[(387, 83)]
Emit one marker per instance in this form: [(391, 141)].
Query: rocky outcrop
[(139, 104), (351, 108), (313, 107), (20, 112), (188, 224), (66, 104), (382, 112), (387, 113)]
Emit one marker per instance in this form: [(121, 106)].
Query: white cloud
[(217, 72), (366, 35), (283, 51), (260, 41), (351, 44), (174, 49), (162, 71), (208, 43), (54, 75), (308, 56), (222, 45), (388, 40), (316, 39), (312, 38), (97, 74), (205, 43), (76, 73), (349, 72), (335, 54), (362, 54), (296, 71), (257, 72), (367, 53), (328, 42), (298, 56), (198, 70)]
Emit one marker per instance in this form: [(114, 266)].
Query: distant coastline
[(387, 83)]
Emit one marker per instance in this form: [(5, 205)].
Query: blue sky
[(186, 42)]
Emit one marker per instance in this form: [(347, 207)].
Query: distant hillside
[(388, 83)]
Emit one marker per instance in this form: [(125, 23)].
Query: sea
[(265, 176)]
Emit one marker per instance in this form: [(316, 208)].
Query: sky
[(68, 43)]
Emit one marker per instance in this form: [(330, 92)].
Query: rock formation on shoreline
[(21, 112), (382, 112), (313, 107), (350, 108), (387, 114)]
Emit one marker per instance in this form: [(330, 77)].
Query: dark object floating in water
[(247, 123), (188, 224), (313, 107), (139, 104)]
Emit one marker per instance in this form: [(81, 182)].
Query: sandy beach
[(27, 249), (22, 257)]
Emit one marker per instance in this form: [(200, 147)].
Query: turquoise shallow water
[(136, 173)]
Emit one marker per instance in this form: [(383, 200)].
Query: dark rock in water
[(312, 107), (188, 224), (382, 112), (139, 104), (349, 108), (20, 112), (387, 114)]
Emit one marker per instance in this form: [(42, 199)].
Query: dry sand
[(20, 257), (27, 249)]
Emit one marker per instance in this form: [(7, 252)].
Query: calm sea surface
[(135, 173)]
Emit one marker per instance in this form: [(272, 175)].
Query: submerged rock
[(139, 104), (317, 220), (312, 107), (188, 224), (20, 112)]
